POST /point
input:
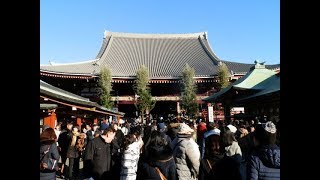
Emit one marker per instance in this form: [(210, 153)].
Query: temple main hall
[(165, 56)]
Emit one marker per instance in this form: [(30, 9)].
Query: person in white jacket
[(186, 153), (130, 158)]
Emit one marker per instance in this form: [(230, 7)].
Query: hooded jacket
[(187, 156), (264, 163)]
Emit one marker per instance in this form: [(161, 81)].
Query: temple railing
[(157, 98)]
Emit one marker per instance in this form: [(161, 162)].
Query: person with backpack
[(49, 155)]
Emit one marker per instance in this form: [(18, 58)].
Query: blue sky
[(238, 30)]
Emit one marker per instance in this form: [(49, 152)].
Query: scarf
[(74, 138)]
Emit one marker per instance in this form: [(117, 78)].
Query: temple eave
[(201, 79), (70, 76)]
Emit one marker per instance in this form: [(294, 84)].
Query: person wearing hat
[(212, 129), (201, 129), (162, 128), (186, 153), (232, 128), (264, 160), (212, 155)]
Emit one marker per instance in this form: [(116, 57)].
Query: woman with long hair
[(48, 151), (231, 166), (212, 155), (130, 158), (158, 159)]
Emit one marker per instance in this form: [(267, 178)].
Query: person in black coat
[(119, 134), (89, 133), (48, 143), (64, 142), (212, 155), (264, 161), (231, 166), (90, 136), (157, 154), (99, 151)]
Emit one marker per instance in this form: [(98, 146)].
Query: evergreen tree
[(105, 85), (189, 89), (144, 102), (223, 76)]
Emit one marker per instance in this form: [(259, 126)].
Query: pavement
[(80, 170)]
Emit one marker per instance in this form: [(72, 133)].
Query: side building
[(165, 56), (58, 105)]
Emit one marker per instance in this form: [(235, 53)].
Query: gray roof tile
[(165, 55), (243, 68)]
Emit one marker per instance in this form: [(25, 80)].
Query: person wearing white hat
[(186, 153), (212, 129), (264, 160), (232, 128)]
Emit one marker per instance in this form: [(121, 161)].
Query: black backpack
[(47, 163)]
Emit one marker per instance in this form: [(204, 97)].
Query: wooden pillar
[(79, 123), (50, 120), (227, 113)]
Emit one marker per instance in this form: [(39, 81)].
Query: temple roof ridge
[(153, 35), (165, 55), (70, 63)]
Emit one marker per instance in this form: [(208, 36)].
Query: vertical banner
[(210, 113)]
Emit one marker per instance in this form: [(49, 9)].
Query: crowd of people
[(166, 150)]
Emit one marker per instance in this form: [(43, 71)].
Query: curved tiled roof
[(243, 68), (60, 94), (165, 56), (257, 78)]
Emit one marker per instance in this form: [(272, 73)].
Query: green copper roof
[(60, 94), (256, 78), (272, 85), (48, 106)]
